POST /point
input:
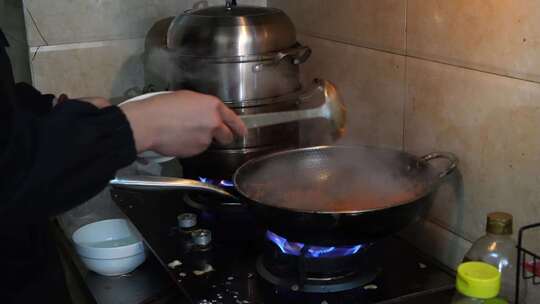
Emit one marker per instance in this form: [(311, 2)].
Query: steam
[(337, 179), (181, 72), (160, 68), (165, 68)]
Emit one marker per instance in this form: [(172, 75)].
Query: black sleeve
[(55, 161), (32, 101)]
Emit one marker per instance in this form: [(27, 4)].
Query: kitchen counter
[(148, 284), (151, 283)]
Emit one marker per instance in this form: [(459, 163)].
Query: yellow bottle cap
[(478, 280)]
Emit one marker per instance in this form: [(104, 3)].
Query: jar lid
[(230, 31), (478, 280), (499, 223)]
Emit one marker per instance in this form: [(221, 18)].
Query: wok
[(328, 195)]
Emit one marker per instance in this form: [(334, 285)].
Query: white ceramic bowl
[(109, 247), (114, 267)]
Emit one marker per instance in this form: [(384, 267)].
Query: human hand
[(181, 123)]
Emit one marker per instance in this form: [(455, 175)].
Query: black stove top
[(226, 271)]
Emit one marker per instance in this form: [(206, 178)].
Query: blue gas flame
[(294, 248), (226, 183), (222, 183)]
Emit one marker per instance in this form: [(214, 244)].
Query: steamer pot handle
[(298, 54), (450, 157), (303, 53), (143, 182)]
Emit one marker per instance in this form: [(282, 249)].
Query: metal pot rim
[(231, 59), (424, 159), (270, 56)]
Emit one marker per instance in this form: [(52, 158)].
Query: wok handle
[(143, 182), (452, 161)]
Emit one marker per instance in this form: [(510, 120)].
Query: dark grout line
[(436, 223), (63, 44), (35, 53), (373, 48), (406, 55), (472, 69), (405, 83), (36, 26)]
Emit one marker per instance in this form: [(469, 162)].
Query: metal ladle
[(332, 109)]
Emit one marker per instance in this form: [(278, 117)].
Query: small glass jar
[(497, 248)]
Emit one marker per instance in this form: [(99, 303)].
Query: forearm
[(144, 124), (61, 160)]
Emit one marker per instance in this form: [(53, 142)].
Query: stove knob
[(187, 221), (202, 237)]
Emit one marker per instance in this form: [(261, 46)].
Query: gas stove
[(314, 269), (226, 258)]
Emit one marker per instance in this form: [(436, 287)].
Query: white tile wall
[(490, 122), (371, 85), (106, 68), (491, 35), (62, 21), (376, 24), (85, 47)]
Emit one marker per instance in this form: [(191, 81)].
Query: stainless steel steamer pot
[(242, 54), (249, 57)]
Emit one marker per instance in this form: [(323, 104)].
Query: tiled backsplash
[(500, 37), (374, 24), (458, 76), (375, 83), (95, 48), (64, 22), (103, 68)]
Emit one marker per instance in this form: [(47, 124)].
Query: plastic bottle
[(499, 249), (477, 283)]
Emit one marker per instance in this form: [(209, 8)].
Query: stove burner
[(314, 269), (223, 183), (298, 249)]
